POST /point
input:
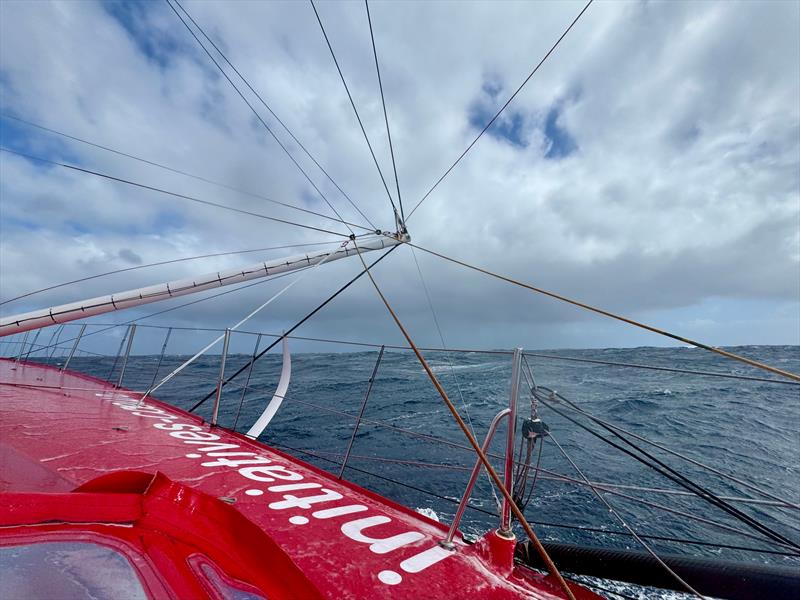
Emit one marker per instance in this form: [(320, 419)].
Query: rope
[(385, 115), (353, 104), (654, 368), (450, 361), (277, 118), (168, 193), (184, 173), (250, 106), (541, 523), (160, 263), (295, 326), (169, 292), (709, 468), (551, 567), (361, 412), (547, 474), (611, 509), (496, 352), (502, 108), (726, 354), (671, 474), (185, 304), (161, 357), (690, 516), (543, 473), (237, 325), (246, 382)]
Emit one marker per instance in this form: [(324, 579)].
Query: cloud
[(650, 166)]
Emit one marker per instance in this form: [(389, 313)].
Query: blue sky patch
[(513, 124), (559, 141), (77, 227), (25, 224), (311, 199), (134, 17), (508, 127), (167, 220), (13, 134), (18, 136)]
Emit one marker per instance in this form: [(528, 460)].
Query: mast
[(91, 307)]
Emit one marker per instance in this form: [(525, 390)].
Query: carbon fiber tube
[(732, 580)]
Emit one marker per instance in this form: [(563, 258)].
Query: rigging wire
[(450, 362), (673, 492), (167, 192), (246, 385), (688, 459), (548, 474), (725, 353), (530, 441), (540, 523), (50, 343), (545, 473), (395, 169), (611, 428), (687, 515), (635, 535), (166, 310), (161, 357), (551, 567), (255, 112), (236, 326), (385, 115), (184, 173), (277, 118), (160, 263), (502, 108), (656, 368), (676, 477), (213, 279), (601, 486), (295, 326), (598, 485), (465, 447), (353, 104), (536, 471), (559, 478), (777, 499), (499, 352), (217, 295), (370, 383)]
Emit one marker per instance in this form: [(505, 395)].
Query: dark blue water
[(748, 429)]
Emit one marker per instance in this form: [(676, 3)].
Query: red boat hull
[(84, 458)]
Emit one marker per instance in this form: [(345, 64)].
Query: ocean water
[(748, 429)]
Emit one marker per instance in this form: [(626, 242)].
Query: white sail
[(280, 393)]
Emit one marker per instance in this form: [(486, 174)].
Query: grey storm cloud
[(651, 166)]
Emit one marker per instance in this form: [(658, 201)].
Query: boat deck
[(66, 434)]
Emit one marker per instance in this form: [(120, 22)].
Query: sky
[(651, 167)]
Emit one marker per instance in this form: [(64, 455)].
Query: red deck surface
[(78, 452)]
